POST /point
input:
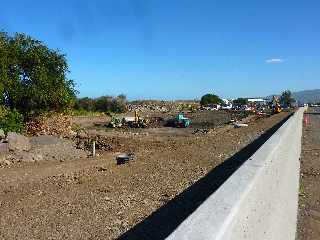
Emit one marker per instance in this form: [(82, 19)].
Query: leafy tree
[(240, 101), (286, 98), (87, 104), (103, 103), (210, 99), (33, 77), (119, 104)]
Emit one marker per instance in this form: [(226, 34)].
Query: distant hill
[(306, 96), (312, 96)]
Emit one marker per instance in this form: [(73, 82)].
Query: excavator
[(276, 107), (180, 121), (138, 122), (132, 122)]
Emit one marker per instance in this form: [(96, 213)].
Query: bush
[(11, 120), (240, 102), (286, 98), (105, 104), (210, 99), (86, 104)]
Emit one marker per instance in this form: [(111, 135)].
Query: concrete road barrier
[(260, 200)]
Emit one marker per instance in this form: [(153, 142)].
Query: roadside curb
[(260, 200)]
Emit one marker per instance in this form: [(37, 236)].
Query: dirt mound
[(41, 148), (50, 124)]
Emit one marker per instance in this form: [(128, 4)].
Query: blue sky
[(178, 49)]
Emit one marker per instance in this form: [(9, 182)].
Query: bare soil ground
[(200, 119), (309, 202), (174, 172)]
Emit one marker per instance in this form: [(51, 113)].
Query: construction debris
[(18, 142), (239, 125), (50, 124), (125, 158)]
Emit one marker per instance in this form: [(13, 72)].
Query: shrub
[(240, 101), (105, 104), (87, 104), (210, 99), (11, 120)]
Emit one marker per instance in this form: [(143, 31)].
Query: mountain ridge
[(304, 96)]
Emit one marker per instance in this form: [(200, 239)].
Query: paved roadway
[(309, 199)]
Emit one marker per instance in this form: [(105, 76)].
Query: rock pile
[(53, 124), (18, 148)]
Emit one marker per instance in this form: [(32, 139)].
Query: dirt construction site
[(63, 192)]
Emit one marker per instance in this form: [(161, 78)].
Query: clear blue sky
[(177, 49)]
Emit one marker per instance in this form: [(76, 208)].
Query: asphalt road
[(309, 197)]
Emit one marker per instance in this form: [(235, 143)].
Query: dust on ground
[(97, 199), (309, 197)]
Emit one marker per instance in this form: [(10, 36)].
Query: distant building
[(226, 101), (258, 101)]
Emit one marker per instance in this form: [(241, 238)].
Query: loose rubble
[(96, 198), (50, 124), (19, 148)]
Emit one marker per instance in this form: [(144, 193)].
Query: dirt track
[(96, 199)]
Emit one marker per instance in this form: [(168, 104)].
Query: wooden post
[(94, 149)]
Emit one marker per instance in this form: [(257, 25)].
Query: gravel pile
[(18, 148)]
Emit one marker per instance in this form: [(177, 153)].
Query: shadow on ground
[(166, 219)]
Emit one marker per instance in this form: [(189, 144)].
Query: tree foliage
[(240, 101), (286, 98), (33, 77), (103, 104), (10, 120), (210, 99)]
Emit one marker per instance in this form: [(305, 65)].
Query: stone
[(6, 162), (25, 157), (37, 157), (4, 148), (18, 142)]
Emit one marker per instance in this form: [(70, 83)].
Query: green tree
[(104, 103), (33, 77), (210, 99), (286, 98), (111, 104), (87, 104), (240, 101)]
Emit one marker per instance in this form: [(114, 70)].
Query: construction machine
[(115, 123), (137, 121), (179, 121), (132, 122), (276, 107)]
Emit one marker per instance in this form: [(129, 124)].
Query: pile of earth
[(50, 124), (18, 148)]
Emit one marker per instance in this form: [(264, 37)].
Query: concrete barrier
[(260, 200)]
